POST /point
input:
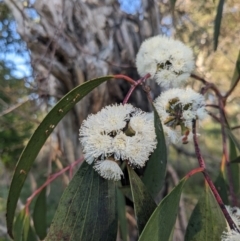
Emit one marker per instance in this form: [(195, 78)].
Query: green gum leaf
[(38, 139), (154, 174), (87, 209), (207, 221), (144, 205), (39, 215), (217, 24), (161, 223)]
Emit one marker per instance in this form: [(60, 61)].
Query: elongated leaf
[(87, 209), (217, 24), (161, 223), (234, 169), (207, 221), (236, 160), (38, 139), (126, 191), (155, 172), (18, 225), (236, 72), (122, 215), (233, 138), (144, 205), (40, 215), (31, 235), (22, 229), (222, 188), (26, 227)]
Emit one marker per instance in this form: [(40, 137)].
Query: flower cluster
[(122, 132), (169, 61), (117, 133), (232, 235), (177, 108)]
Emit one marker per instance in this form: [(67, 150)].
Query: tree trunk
[(74, 41)]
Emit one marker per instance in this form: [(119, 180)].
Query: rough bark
[(74, 41)]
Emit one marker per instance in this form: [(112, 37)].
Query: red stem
[(129, 94), (49, 180), (128, 79), (202, 164), (231, 224), (221, 105), (136, 83), (194, 171), (197, 149)]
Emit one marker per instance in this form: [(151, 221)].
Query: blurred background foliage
[(48, 48)]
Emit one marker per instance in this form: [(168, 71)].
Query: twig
[(197, 149), (201, 162), (13, 107), (235, 127), (208, 85), (211, 105), (194, 171), (130, 80), (141, 81), (50, 179), (232, 88)]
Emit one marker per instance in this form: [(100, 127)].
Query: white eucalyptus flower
[(231, 235), (118, 133), (138, 150), (169, 61), (234, 213), (119, 145), (176, 109), (108, 169)]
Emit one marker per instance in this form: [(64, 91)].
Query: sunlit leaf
[(38, 139), (161, 223), (155, 172), (207, 221), (26, 227), (40, 215), (87, 208), (18, 225), (144, 205), (217, 23), (21, 229)]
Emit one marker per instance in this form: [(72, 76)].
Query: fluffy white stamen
[(169, 61), (108, 169)]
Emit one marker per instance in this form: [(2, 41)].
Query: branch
[(232, 88), (14, 107), (50, 179)]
